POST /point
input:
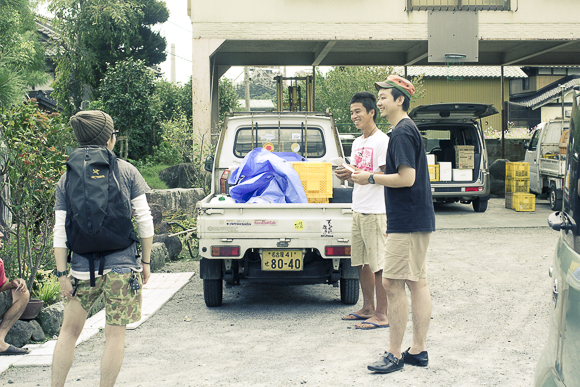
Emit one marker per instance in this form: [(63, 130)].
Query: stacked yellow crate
[(517, 187), (316, 178)]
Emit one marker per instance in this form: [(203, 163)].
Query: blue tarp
[(265, 177)]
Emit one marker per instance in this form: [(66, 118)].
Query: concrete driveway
[(491, 302)]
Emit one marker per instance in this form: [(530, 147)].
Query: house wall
[(482, 90), (345, 19)]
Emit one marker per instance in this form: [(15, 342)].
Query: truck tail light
[(225, 251), (337, 250), (224, 182), (473, 189)]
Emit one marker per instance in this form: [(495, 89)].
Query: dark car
[(559, 363), (445, 127)]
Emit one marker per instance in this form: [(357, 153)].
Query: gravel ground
[(491, 302)]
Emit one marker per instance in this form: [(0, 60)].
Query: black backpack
[(98, 219)]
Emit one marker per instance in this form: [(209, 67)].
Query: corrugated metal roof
[(548, 93), (462, 71)]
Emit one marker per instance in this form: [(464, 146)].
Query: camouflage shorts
[(122, 306)]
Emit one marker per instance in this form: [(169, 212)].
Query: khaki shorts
[(405, 256), (368, 240), (121, 305)]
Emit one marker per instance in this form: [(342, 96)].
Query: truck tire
[(213, 292), (555, 203), (349, 289), (479, 205)]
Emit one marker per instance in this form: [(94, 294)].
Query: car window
[(294, 139), (534, 141)]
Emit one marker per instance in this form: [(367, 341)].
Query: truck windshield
[(308, 144)]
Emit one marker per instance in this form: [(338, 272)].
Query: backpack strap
[(100, 257)]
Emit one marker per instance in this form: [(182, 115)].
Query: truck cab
[(546, 153)]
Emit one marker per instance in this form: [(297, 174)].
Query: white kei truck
[(275, 243), (546, 153)]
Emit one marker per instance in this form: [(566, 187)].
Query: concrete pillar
[(217, 72), (201, 85)]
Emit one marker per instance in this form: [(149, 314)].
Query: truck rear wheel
[(479, 205), (349, 289), (555, 203), (213, 292)]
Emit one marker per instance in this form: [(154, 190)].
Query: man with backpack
[(95, 201)]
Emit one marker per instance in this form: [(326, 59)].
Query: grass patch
[(150, 173)]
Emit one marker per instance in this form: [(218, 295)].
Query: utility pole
[(173, 75), (247, 85)]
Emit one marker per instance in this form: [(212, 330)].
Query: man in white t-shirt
[(369, 220)]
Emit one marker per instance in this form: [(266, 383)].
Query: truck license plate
[(282, 260)]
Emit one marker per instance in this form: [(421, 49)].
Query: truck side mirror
[(526, 144), (209, 163)]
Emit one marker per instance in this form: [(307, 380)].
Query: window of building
[(458, 5), (526, 84)]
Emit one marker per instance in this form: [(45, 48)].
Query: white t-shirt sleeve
[(59, 233), (143, 216)]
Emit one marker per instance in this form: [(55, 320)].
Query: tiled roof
[(547, 93), (257, 104), (462, 71), (48, 36)]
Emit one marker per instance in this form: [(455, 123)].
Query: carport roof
[(463, 71), (389, 53)]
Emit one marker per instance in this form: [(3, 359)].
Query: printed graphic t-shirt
[(409, 209), (369, 155)]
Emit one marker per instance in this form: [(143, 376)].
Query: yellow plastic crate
[(509, 201), (517, 170), (316, 178), (524, 202), (433, 172), (318, 200), (517, 185)]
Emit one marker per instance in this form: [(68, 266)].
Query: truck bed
[(250, 226)]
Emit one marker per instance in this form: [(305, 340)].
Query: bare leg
[(64, 351), (380, 315), (113, 355), (398, 313), (19, 302), (367, 284), (421, 308)]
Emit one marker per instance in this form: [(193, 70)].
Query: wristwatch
[(371, 179), (60, 273)]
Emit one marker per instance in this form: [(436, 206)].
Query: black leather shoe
[(420, 359), (388, 363)]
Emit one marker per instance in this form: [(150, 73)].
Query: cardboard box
[(462, 174), (445, 171), (431, 160), (464, 156), (434, 172)]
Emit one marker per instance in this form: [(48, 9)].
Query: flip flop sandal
[(374, 325), (357, 317), (12, 350)]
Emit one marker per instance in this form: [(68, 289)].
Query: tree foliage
[(31, 162), (335, 89), (228, 98), (97, 34), (21, 56), (126, 95)]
